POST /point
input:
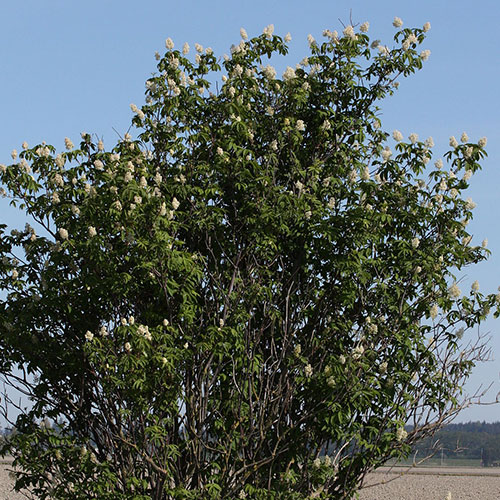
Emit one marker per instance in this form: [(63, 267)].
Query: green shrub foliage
[(251, 298)]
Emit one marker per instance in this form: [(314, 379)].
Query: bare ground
[(432, 484), (394, 484)]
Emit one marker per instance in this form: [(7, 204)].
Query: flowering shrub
[(254, 297)]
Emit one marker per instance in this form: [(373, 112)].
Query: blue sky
[(68, 67)]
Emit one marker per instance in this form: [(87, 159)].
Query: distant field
[(437, 462)]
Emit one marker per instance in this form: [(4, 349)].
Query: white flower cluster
[(410, 39), (349, 32), (169, 44), (268, 31), (433, 311), (357, 352), (424, 55), (397, 23), (397, 135), (386, 154), (413, 138), (454, 291), (137, 111), (289, 74), (401, 434), (69, 145), (300, 125), (269, 72)]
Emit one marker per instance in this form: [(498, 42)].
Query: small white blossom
[(326, 125), (99, 165), (297, 350), (268, 31), (453, 142), (69, 145), (127, 346), (401, 434), (14, 274), (13, 154), (63, 233), (482, 142), (439, 164), (415, 242), (383, 49), (317, 463), (169, 44), (92, 231), (243, 34), (424, 55), (397, 135), (288, 37), (55, 198), (365, 173), (484, 243), (269, 72), (470, 204), (454, 291), (331, 203), (349, 32), (429, 142), (300, 126), (310, 40), (358, 352), (289, 73), (427, 27), (175, 203), (89, 335), (386, 154), (220, 151), (308, 371), (397, 23), (475, 286), (331, 381), (413, 138), (342, 359), (353, 175), (383, 367), (464, 138), (411, 38), (365, 27), (433, 311)]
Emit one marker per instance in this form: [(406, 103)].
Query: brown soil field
[(432, 483), (423, 483)]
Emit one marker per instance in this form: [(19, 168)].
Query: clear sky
[(68, 67)]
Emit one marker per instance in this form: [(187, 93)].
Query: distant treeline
[(474, 440)]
